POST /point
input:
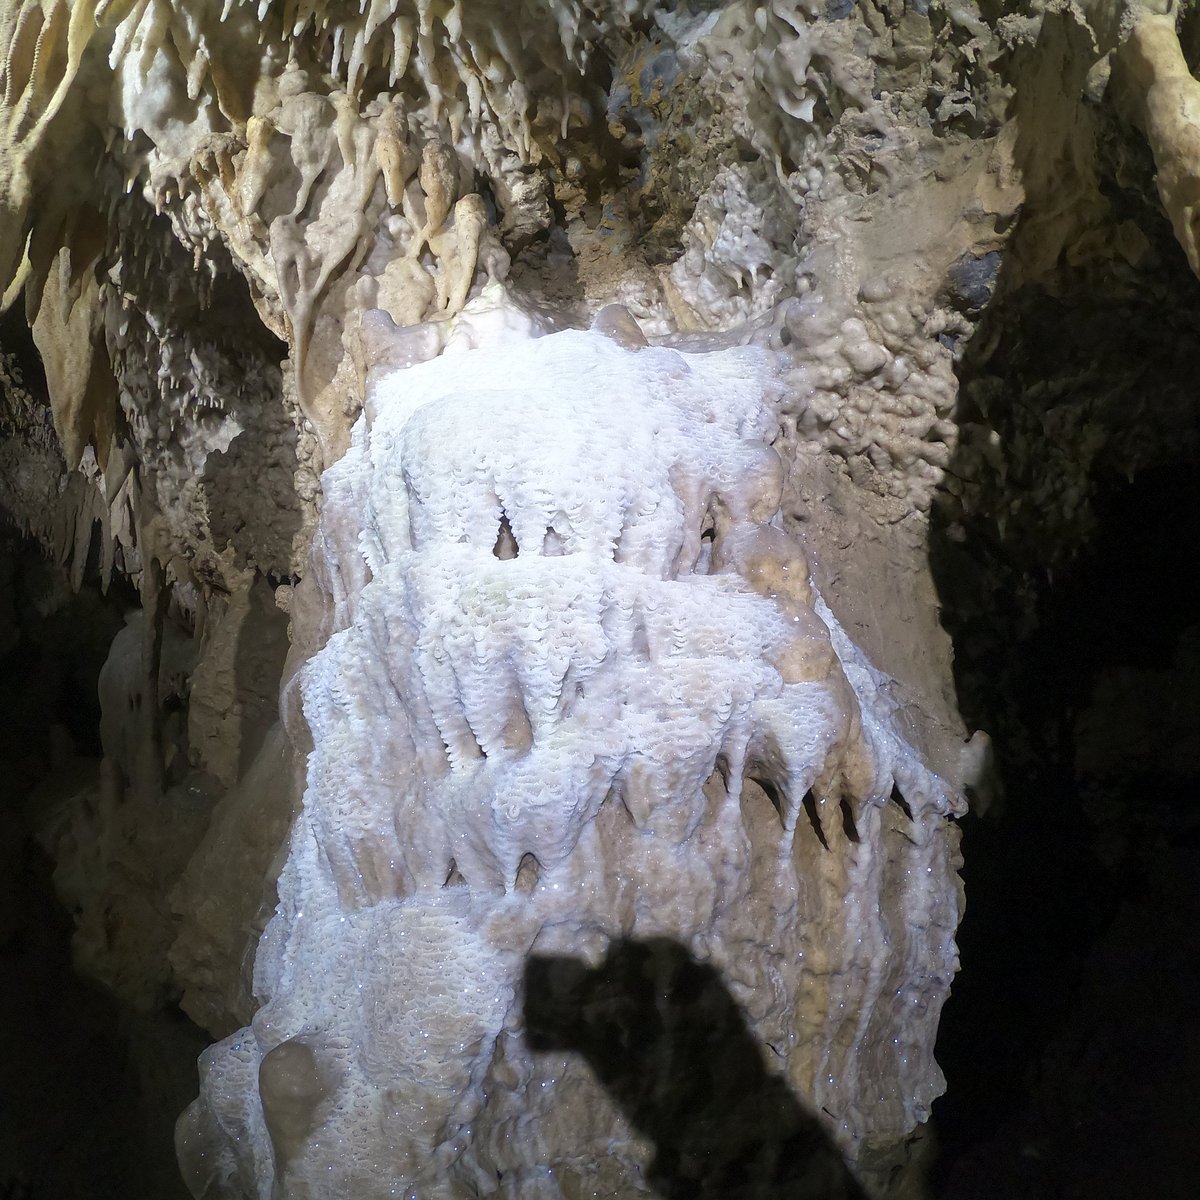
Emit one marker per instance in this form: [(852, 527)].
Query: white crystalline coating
[(531, 724), (464, 989), (516, 677), (450, 447), (532, 694)]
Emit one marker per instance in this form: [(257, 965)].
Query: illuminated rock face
[(599, 643), (575, 685), (617, 633)]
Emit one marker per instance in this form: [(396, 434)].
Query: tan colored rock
[(69, 333), (1171, 116), (574, 655)]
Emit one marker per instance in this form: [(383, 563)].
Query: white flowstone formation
[(575, 684), (620, 625), (616, 624)]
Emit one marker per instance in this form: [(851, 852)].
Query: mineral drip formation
[(576, 685), (520, 421)]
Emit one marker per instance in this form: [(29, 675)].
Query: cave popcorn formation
[(577, 685)]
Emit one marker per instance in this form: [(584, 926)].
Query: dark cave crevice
[(1061, 566), (90, 1085)]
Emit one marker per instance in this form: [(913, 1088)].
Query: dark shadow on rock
[(89, 1086), (1058, 548), (668, 1042)]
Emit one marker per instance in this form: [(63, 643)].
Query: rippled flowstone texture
[(576, 685)]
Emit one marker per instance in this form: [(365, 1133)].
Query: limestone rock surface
[(515, 433)]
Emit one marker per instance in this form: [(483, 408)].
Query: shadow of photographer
[(663, 1035)]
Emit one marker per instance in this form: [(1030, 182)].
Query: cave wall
[(248, 251)]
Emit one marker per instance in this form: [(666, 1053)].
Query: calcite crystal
[(576, 685)]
